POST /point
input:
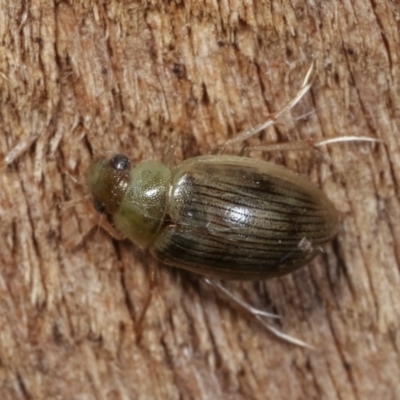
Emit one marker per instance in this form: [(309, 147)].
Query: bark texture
[(134, 77)]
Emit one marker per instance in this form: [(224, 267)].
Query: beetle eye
[(99, 206), (120, 162)]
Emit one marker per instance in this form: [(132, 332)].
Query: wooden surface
[(120, 76)]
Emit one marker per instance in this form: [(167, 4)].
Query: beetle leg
[(66, 205), (78, 240), (343, 139), (273, 118), (284, 336), (152, 286), (222, 290), (105, 225), (260, 315), (109, 228), (306, 145), (297, 145)]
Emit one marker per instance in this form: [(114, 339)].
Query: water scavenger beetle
[(221, 216)]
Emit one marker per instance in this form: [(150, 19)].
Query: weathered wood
[(112, 77)]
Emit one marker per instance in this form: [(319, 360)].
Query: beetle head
[(107, 180)]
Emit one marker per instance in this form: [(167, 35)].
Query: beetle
[(220, 216)]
